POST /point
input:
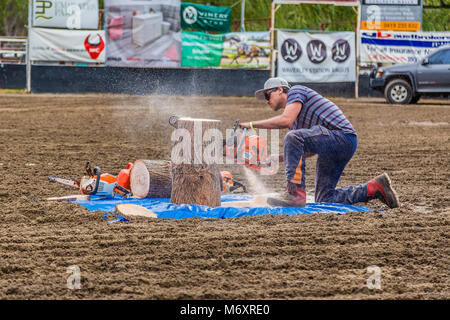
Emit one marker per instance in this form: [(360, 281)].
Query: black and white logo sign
[(291, 50), (190, 15), (317, 51), (340, 51)]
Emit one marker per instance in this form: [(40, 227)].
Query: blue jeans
[(334, 149)]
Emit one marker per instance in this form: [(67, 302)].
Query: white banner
[(70, 14), (67, 45), (324, 57), (143, 33), (399, 47)]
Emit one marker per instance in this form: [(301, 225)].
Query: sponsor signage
[(67, 45), (305, 57), (394, 15), (205, 18), (201, 49), (246, 50), (399, 47), (70, 14), (232, 50), (335, 2), (144, 33)]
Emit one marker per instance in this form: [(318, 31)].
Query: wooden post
[(195, 178), (28, 61), (151, 179)]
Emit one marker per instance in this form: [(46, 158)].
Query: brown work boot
[(292, 197), (380, 188)]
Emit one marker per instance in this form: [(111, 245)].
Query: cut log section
[(195, 172), (128, 210), (151, 179)]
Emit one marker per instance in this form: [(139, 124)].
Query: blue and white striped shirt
[(317, 110)]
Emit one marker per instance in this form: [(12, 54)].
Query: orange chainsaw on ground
[(99, 184), (228, 183)]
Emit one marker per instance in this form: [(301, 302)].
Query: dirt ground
[(318, 256)]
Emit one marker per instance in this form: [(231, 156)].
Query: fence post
[(242, 16), (30, 21), (358, 7)]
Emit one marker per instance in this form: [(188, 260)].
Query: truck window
[(441, 57)]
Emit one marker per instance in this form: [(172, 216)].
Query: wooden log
[(151, 179), (129, 210), (195, 178)]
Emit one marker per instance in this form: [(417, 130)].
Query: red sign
[(94, 48)]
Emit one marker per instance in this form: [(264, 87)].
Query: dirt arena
[(318, 256)]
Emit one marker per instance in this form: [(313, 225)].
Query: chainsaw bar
[(65, 182)]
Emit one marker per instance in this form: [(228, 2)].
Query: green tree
[(314, 17), (13, 17)]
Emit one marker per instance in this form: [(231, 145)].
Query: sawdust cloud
[(255, 184), (136, 114)]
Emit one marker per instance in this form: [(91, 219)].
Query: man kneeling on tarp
[(317, 126)]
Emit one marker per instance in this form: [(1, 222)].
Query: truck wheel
[(398, 91), (415, 99)]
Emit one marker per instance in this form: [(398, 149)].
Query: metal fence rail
[(13, 49)]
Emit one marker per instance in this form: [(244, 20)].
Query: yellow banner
[(391, 25)]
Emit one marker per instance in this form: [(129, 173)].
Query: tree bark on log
[(151, 179), (195, 171)]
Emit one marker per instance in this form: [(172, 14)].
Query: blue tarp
[(165, 209)]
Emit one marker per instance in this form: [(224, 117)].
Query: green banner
[(205, 18), (200, 49)]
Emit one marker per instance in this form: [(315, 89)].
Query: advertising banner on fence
[(399, 47), (144, 33), (67, 45), (335, 2), (71, 14), (201, 49), (205, 18), (395, 15), (249, 50), (324, 57)]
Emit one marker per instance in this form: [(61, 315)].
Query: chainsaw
[(251, 151), (227, 182), (95, 183)]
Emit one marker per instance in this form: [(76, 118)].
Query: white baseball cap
[(270, 84)]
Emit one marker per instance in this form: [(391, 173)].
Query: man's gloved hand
[(244, 125)]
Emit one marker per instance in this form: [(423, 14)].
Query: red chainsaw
[(97, 183), (228, 183)]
